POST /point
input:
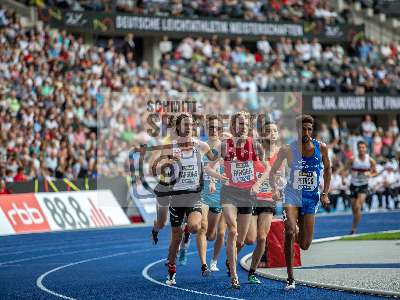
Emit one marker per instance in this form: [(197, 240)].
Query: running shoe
[(290, 284), (171, 275), (228, 269), (183, 256), (253, 279), (213, 266), (205, 271), (284, 217), (154, 236), (235, 283)]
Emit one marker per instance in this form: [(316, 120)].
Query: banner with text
[(117, 23), (40, 212), (350, 104)]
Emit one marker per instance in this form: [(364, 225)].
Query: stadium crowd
[(254, 10), (70, 109), (51, 86), (363, 67)]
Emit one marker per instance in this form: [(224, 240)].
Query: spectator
[(263, 46), (165, 45), (394, 128), (389, 180), (3, 188), (20, 177), (368, 129)]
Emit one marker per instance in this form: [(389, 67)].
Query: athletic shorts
[(307, 206), (240, 198), (213, 204), (360, 189), (264, 207), (163, 195), (177, 211)]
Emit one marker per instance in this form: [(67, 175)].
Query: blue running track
[(122, 264)]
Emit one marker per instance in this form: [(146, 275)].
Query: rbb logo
[(24, 213)]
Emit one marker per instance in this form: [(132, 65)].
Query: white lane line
[(5, 263), (66, 246), (146, 275), (39, 280), (27, 248)]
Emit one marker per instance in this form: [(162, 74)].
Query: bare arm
[(349, 163), (327, 168), (373, 172), (213, 158), (281, 156)]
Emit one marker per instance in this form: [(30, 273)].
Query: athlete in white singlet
[(362, 167)]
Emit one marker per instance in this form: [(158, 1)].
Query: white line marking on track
[(131, 241), (36, 244), (146, 275), (39, 280), (5, 263)]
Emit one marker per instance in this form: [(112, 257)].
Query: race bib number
[(306, 181), (242, 171), (189, 176), (265, 185)]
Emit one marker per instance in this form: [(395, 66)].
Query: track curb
[(246, 266)]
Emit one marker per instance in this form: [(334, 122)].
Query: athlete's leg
[(230, 215), (292, 213), (184, 245), (243, 224), (194, 221), (162, 215), (174, 244), (263, 226), (251, 235), (219, 242), (162, 206), (356, 206), (306, 230), (201, 235), (213, 219)]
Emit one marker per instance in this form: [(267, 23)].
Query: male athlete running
[(301, 195), (264, 207), (362, 167), (186, 167), (239, 159)]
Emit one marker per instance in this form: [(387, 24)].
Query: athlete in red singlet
[(239, 165)]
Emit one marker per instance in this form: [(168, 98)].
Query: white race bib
[(304, 180), (242, 171)]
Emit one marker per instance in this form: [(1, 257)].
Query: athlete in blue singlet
[(211, 208), (302, 189), (301, 195)]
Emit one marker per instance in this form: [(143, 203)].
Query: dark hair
[(361, 143), (179, 121), (300, 120), (269, 122)]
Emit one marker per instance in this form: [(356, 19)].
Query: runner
[(162, 198), (301, 194), (186, 167), (211, 209), (362, 167), (264, 207), (239, 159)]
